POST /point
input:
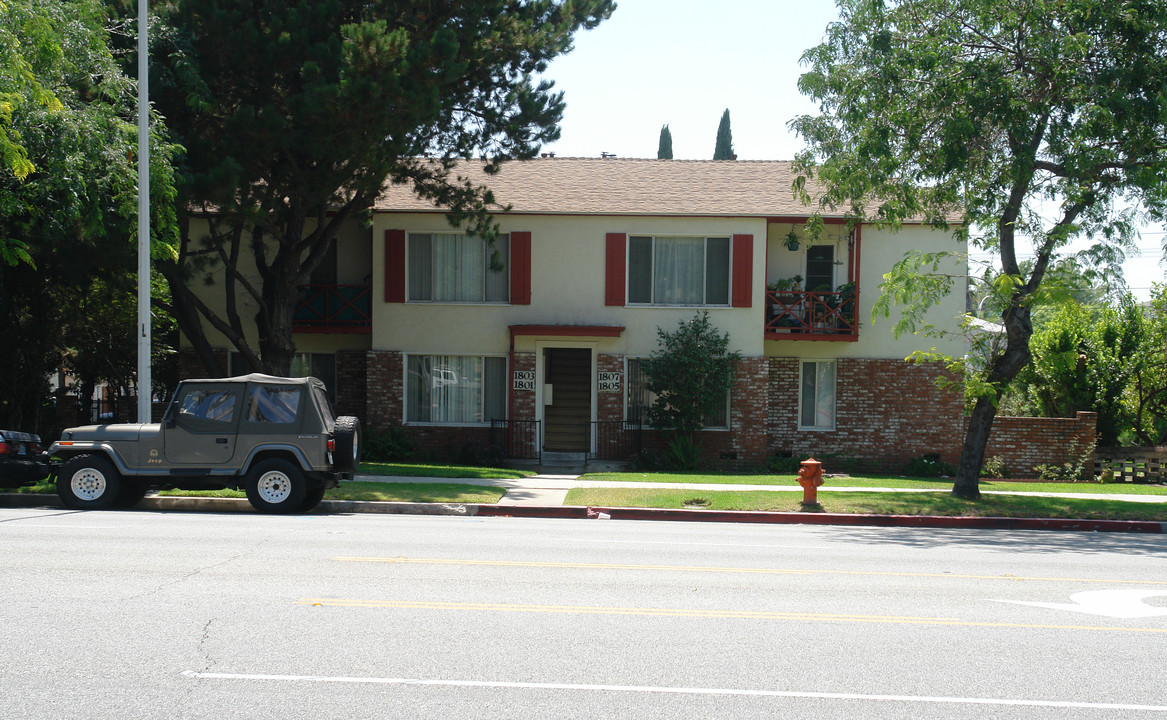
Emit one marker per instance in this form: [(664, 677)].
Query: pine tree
[(665, 150), (724, 149)]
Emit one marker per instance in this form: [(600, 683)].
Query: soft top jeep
[(275, 437)]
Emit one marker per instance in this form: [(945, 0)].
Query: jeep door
[(203, 424)]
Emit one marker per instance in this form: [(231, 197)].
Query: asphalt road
[(199, 615)]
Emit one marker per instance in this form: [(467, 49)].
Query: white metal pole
[(144, 380)]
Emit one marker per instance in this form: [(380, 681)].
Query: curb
[(579, 512)]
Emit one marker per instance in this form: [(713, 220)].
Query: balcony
[(334, 309), (810, 315)]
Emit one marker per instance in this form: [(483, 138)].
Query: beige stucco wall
[(567, 288), (879, 250)]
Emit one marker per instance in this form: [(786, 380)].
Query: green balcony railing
[(334, 309)]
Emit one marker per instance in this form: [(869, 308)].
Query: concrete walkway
[(551, 490)]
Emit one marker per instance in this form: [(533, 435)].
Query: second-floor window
[(678, 270), (456, 268)]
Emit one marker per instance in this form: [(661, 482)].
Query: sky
[(684, 62)]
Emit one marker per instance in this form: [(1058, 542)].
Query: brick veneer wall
[(384, 391), (887, 412), (1025, 442), (351, 384)]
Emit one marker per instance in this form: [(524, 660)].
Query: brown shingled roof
[(618, 186)]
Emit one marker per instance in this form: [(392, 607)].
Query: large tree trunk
[(1004, 368)]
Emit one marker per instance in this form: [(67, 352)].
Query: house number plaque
[(609, 382), (524, 380)]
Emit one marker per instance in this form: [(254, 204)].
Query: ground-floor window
[(817, 395), (640, 399), (455, 389)]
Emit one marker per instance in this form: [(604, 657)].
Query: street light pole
[(145, 392)]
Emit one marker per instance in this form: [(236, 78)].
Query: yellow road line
[(714, 569), (697, 613)]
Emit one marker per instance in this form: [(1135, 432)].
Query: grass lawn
[(928, 503), (882, 481)]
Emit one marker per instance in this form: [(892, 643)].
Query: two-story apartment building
[(414, 325)]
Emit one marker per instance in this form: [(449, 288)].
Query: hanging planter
[(791, 241)]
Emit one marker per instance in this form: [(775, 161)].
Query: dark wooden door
[(567, 419)]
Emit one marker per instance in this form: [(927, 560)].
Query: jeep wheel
[(276, 486), (89, 482), (312, 498), (347, 434)]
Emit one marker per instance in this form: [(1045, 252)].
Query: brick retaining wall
[(1025, 442)]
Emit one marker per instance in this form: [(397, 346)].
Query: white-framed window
[(639, 399), (456, 268), (817, 395), (677, 270), (455, 389)]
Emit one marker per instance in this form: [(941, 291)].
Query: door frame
[(541, 346)]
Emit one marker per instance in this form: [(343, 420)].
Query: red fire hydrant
[(810, 476)]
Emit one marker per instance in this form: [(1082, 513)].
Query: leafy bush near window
[(393, 445)]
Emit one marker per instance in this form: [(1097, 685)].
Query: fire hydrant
[(810, 476)]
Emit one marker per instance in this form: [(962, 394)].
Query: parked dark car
[(22, 461)]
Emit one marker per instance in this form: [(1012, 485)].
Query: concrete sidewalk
[(551, 490)]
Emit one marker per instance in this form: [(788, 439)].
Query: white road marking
[(672, 691), (1110, 603)]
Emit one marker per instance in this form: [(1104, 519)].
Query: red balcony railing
[(335, 309), (809, 315)]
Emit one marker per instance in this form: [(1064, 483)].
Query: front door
[(567, 417)]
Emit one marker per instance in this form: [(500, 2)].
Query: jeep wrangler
[(275, 437)]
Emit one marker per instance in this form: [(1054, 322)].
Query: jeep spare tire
[(347, 435)]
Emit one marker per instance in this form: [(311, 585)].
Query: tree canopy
[(723, 150), (1035, 122), (68, 206), (664, 150), (295, 113)]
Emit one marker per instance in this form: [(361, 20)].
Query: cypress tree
[(724, 148), (665, 150)]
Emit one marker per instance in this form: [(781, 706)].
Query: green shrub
[(994, 467), (393, 445), (1072, 470), (927, 466), (683, 453)]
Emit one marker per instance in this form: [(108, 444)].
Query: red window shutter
[(394, 266), (743, 270), (520, 268), (616, 258)]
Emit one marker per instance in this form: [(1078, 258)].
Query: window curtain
[(679, 271), (455, 389), (458, 262), (818, 395)]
